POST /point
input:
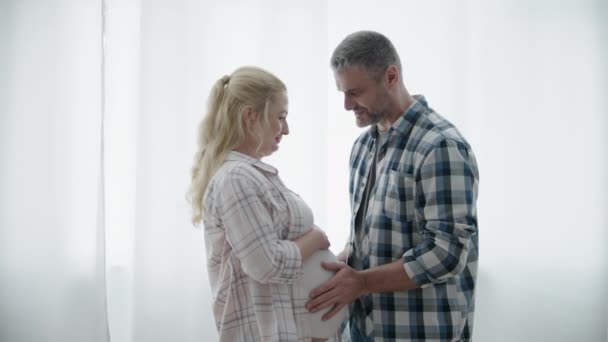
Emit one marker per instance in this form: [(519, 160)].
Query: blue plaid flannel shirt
[(422, 211)]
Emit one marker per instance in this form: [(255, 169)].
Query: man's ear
[(391, 76)]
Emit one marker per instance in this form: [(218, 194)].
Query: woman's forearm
[(311, 242)]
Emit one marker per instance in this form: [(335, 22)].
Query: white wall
[(545, 269)]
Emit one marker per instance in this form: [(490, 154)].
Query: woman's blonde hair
[(222, 129)]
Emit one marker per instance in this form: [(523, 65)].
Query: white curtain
[(52, 285), (99, 103)]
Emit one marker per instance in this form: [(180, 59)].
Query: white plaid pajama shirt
[(254, 267)]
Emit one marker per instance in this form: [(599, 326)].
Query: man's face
[(365, 95)]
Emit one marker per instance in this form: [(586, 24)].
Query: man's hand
[(343, 256), (342, 289)]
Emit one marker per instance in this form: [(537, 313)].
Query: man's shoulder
[(432, 130)]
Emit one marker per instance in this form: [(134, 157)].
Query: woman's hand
[(312, 241), (322, 240)]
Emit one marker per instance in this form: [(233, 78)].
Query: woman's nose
[(285, 128)]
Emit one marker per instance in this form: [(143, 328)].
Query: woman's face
[(277, 125)]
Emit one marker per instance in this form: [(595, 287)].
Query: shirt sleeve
[(446, 194), (252, 234)]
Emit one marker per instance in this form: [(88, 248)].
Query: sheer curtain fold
[(121, 103), (52, 286)]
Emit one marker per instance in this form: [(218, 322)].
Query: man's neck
[(401, 103)]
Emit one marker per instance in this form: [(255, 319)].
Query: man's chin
[(362, 123)]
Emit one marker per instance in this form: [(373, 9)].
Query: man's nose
[(348, 103)]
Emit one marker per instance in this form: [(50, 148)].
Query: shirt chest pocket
[(399, 198)]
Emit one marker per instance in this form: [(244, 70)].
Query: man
[(412, 256)]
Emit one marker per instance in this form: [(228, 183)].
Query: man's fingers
[(325, 300), (333, 266), (333, 311), (326, 286)]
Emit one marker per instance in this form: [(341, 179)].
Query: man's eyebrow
[(347, 90)]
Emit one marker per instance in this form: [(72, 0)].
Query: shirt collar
[(241, 157), (405, 122)]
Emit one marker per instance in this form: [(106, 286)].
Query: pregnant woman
[(259, 235)]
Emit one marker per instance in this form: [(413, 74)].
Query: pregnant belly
[(313, 276)]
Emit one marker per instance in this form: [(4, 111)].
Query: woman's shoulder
[(237, 176), (238, 171)]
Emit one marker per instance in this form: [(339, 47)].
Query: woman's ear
[(249, 116)]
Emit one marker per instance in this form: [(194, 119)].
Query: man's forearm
[(387, 278)]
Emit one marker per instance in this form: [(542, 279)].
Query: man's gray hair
[(368, 49)]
